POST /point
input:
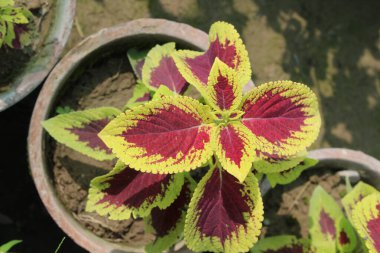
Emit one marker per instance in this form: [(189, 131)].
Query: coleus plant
[(162, 136), (331, 229), (14, 31)]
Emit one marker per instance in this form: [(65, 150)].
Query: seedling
[(163, 136), (356, 229), (14, 31)]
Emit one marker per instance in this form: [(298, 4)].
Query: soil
[(286, 207), (106, 83), (13, 61)]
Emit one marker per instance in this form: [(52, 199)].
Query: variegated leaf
[(278, 164), (226, 44), (163, 136), (141, 94), (124, 192), (224, 93), (79, 130), (325, 216), (281, 244), (366, 220), (168, 224), (159, 69), (234, 148), (346, 237), (290, 175), (137, 59), (224, 215), (283, 116), (360, 191)]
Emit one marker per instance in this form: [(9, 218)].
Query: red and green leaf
[(224, 93), (234, 148), (168, 224), (325, 216), (281, 244), (124, 192), (159, 69), (79, 130), (366, 220), (137, 59), (226, 44), (360, 191), (278, 164), (224, 215), (141, 94), (283, 116), (346, 237), (163, 136), (290, 175)]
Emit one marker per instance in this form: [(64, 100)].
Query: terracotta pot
[(125, 35), (354, 163), (40, 64)]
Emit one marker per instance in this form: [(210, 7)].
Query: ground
[(333, 46)]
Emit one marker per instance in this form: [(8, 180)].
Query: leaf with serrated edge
[(224, 92), (226, 44), (124, 192), (325, 215), (79, 130), (137, 59), (281, 243), (280, 164), (234, 148), (346, 237), (366, 220), (168, 224), (224, 215), (283, 116), (162, 136), (159, 69), (290, 175), (360, 191)]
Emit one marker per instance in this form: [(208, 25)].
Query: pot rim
[(52, 86), (40, 64)]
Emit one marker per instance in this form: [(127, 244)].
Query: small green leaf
[(325, 216), (79, 130), (7, 246), (288, 176), (141, 94), (63, 109)]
